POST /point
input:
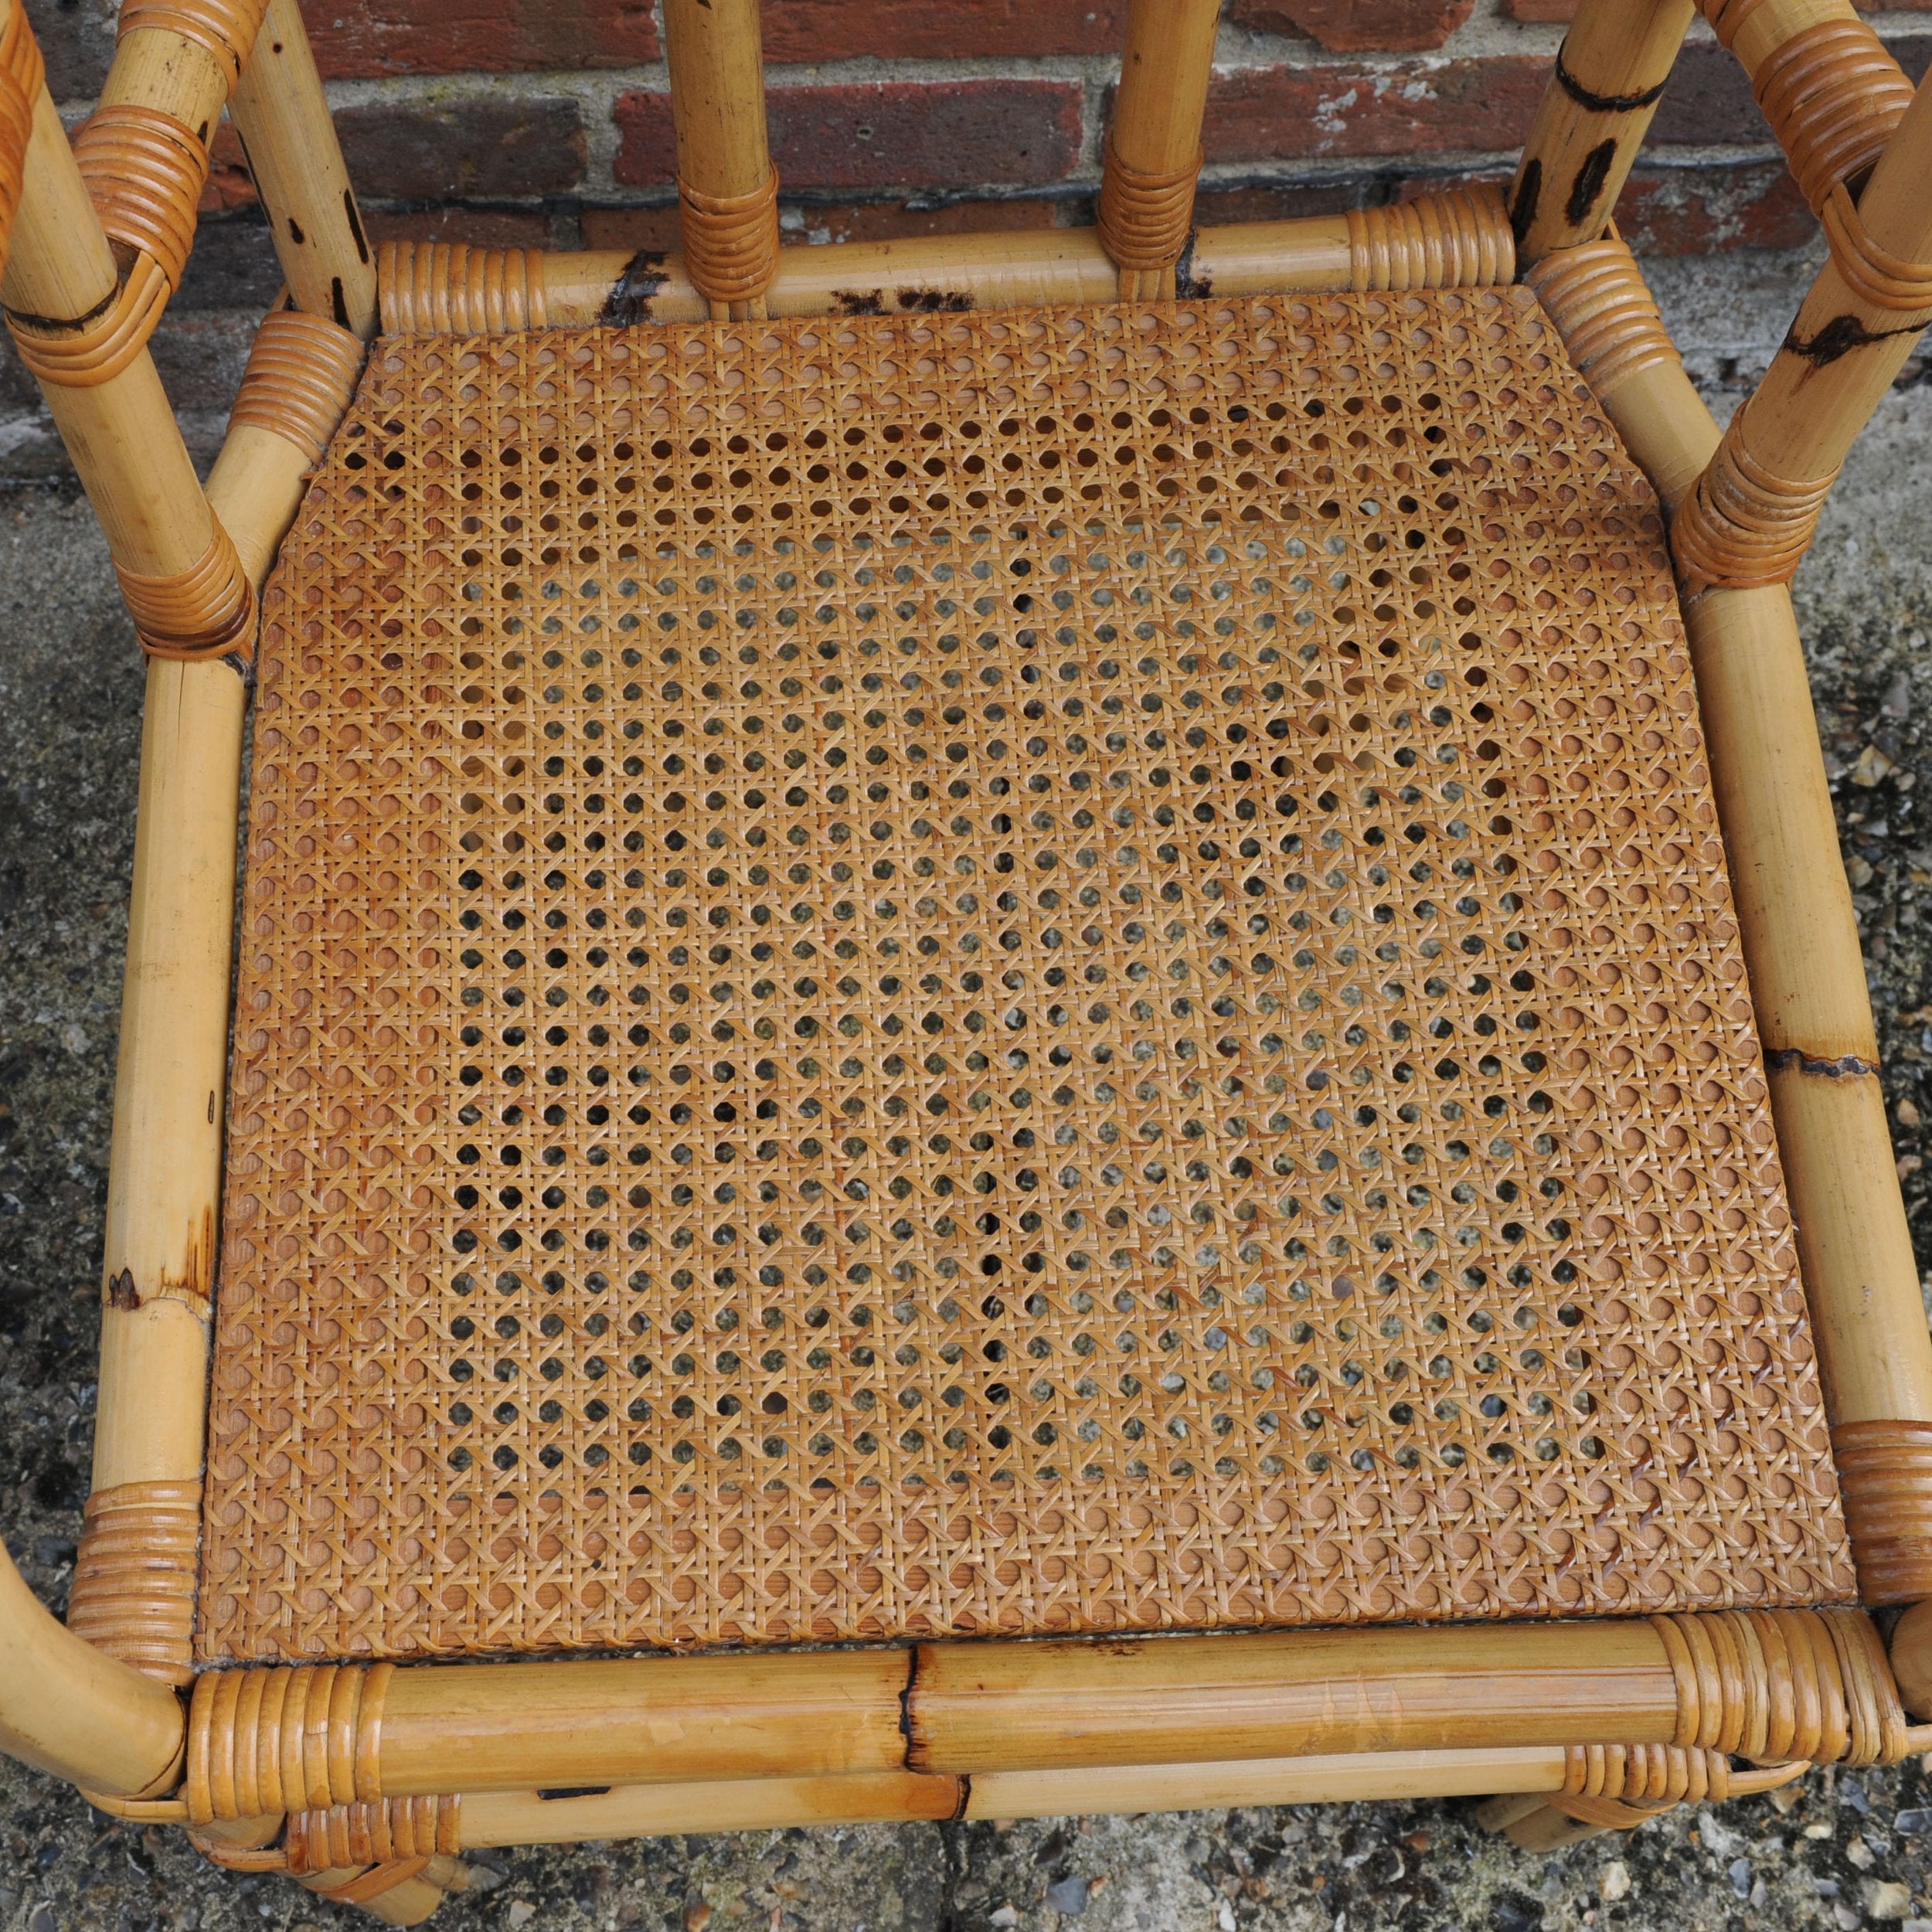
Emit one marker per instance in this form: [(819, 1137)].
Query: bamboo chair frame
[(366, 1782)]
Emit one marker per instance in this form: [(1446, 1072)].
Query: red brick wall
[(546, 122)]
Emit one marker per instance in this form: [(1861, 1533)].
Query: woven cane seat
[(1056, 971)]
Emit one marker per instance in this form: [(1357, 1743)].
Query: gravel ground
[(1835, 1852)]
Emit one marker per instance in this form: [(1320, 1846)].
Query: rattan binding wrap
[(1744, 524), (370, 1833), (1609, 322), (1144, 218), (1885, 1469), (144, 172), (445, 288), (1832, 93), (1873, 274), (98, 347), (302, 373), (207, 611), (1459, 238), (1778, 1686), (984, 1063), (730, 241), (260, 1742), (133, 1594), (1617, 1786)]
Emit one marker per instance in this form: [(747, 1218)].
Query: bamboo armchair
[(1020, 938)]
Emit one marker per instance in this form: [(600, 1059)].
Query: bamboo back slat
[(727, 188), (1153, 152), (1609, 77)]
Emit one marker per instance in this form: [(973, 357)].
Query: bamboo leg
[(1593, 116), (282, 116), (1154, 148), (20, 81), (727, 190)]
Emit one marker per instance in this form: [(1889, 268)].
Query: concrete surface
[(1835, 1853)]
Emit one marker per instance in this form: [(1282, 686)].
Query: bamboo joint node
[(1144, 218), (1461, 239), (1885, 1479), (305, 1738), (445, 289), (225, 28), (302, 371), (1785, 1685), (731, 241), (134, 1581), (1885, 281), (1606, 317), (207, 611)]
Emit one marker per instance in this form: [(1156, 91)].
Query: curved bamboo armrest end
[(69, 1709)]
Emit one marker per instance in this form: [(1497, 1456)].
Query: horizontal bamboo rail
[(1800, 944), (1778, 1685), (1595, 112), (67, 1709), (1457, 240)]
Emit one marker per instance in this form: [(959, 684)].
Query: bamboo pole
[(979, 1707), (508, 1726), (569, 1817), (1154, 147), (1594, 114), (726, 186), (282, 115), (1458, 239), (68, 1709), (1801, 945)]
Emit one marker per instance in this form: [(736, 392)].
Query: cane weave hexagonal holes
[(1054, 971)]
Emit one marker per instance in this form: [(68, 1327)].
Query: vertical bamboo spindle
[(1154, 148), (282, 115), (727, 188), (1595, 112)]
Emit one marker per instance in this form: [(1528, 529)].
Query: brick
[(357, 39), (809, 31), (894, 133), (490, 146), (1694, 211), (1544, 11), (77, 41), (1265, 113), (1358, 26), (478, 227)]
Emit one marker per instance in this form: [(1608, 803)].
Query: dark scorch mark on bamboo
[(631, 295), (1846, 1066)]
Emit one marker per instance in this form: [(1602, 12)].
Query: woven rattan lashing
[(1048, 970)]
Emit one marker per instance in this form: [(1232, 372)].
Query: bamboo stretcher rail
[(727, 188), (1773, 1685), (1460, 238), (1801, 945), (1154, 147), (282, 116), (1595, 112), (68, 1708)]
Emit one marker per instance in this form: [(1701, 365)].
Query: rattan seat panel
[(1058, 970)]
